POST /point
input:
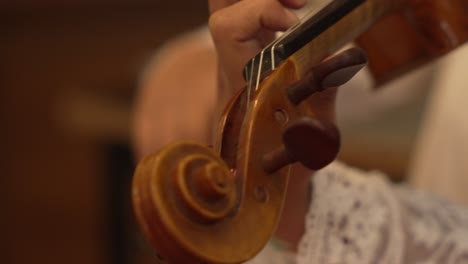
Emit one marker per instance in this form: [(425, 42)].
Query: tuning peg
[(333, 72), (310, 141)]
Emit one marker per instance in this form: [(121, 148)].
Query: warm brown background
[(67, 76)]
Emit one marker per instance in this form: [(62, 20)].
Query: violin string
[(260, 65), (249, 87), (272, 47)]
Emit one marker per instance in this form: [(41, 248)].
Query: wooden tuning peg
[(333, 72), (310, 141)]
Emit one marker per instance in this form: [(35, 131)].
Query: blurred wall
[(67, 75)]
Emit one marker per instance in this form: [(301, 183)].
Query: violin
[(198, 204)]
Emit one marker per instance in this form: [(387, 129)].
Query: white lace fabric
[(359, 217)]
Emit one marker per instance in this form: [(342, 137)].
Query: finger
[(242, 30), (246, 18)]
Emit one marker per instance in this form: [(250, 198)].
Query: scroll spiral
[(192, 189)]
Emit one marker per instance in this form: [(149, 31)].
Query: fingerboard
[(339, 21)]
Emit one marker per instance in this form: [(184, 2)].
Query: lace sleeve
[(359, 217)]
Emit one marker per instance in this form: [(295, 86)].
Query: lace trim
[(359, 217), (438, 229), (352, 219)]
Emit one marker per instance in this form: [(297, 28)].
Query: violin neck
[(319, 35), (399, 36)]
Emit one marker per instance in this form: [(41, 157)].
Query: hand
[(241, 29)]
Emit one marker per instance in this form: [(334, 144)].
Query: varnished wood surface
[(415, 35)]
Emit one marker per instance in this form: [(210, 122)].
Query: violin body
[(221, 205)]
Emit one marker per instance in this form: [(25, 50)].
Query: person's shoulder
[(191, 50), (196, 42)]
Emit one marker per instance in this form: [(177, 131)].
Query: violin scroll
[(194, 209), (192, 189)]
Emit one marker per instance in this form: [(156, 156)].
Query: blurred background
[(68, 74), (67, 77)]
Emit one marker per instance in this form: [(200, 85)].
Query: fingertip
[(278, 18), (291, 18)]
